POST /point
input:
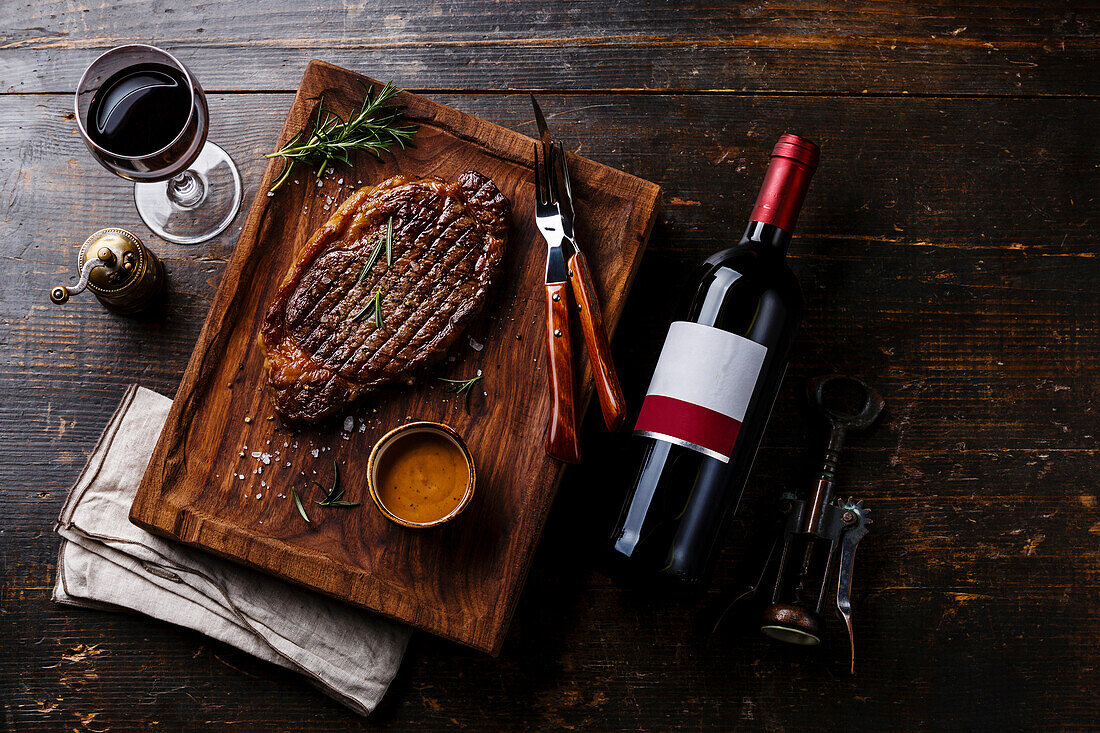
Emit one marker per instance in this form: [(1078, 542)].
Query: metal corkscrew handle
[(853, 515), (840, 422), (856, 521), (811, 557)]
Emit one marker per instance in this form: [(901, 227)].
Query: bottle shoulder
[(753, 267)]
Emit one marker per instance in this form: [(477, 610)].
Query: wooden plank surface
[(947, 252), (952, 48), (205, 485)]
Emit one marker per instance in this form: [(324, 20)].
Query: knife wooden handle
[(561, 430), (612, 404)]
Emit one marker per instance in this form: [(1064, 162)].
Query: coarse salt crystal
[(315, 452), (349, 424)]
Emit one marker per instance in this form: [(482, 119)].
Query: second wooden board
[(222, 473)]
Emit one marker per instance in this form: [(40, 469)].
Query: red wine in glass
[(145, 118), (140, 110)]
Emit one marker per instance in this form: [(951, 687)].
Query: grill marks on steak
[(448, 244)]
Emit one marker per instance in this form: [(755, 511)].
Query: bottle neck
[(793, 162), (767, 236)]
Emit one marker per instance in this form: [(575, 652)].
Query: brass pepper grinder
[(121, 271)]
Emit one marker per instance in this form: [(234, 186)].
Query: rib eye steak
[(324, 342)]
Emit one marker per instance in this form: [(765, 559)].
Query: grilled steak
[(324, 343)]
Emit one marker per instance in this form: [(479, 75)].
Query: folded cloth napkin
[(108, 563)]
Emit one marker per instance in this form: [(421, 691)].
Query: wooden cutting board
[(221, 474)]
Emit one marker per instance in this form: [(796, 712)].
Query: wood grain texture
[(947, 251), (221, 475), (788, 48)]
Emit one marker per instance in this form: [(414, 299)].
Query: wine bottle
[(714, 385)]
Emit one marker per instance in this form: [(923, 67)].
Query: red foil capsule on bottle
[(793, 162)]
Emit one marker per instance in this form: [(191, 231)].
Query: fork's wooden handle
[(561, 430), (612, 404)]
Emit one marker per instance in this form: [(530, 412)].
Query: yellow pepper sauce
[(421, 477)]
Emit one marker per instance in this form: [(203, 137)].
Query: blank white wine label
[(701, 388)]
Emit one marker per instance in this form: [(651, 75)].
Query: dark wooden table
[(948, 253)]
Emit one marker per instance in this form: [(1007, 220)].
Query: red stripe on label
[(699, 425)]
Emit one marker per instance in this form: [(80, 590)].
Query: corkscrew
[(817, 534)]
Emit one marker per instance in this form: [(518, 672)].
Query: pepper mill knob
[(107, 255), (60, 294)]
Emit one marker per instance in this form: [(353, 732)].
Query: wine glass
[(144, 117)]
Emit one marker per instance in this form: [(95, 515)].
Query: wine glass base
[(190, 217)]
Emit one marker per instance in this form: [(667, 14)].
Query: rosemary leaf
[(329, 497), (389, 242), (379, 322), (370, 261), (298, 503), (363, 310)]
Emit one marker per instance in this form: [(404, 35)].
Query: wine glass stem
[(186, 190)]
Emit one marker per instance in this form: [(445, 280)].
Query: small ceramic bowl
[(393, 438)]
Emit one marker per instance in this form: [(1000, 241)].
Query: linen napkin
[(108, 563)]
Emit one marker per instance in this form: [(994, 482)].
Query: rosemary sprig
[(335, 494), (330, 139), (462, 387), (298, 503)]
